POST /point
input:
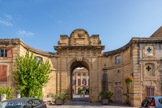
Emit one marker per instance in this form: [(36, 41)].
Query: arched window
[(149, 69)]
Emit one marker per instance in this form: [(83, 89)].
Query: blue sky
[(40, 22)]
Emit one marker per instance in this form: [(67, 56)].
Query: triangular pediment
[(157, 34)]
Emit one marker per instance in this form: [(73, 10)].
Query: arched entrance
[(75, 51), (79, 81)]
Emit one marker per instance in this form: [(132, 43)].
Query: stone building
[(80, 80), (141, 58)]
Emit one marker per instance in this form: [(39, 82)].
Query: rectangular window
[(39, 59), (150, 91), (78, 74), (84, 81), (84, 74), (3, 73), (73, 82), (149, 69), (117, 59), (79, 82), (3, 52)]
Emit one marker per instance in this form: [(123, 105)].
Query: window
[(79, 82), (73, 82), (3, 73), (84, 81), (3, 52), (149, 69), (39, 59), (118, 71), (36, 102), (117, 59), (160, 100), (29, 104), (149, 50), (150, 91), (78, 74), (84, 74)]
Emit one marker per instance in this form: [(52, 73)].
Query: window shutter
[(9, 52), (3, 73)]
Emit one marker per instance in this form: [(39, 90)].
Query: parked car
[(23, 103), (152, 102)]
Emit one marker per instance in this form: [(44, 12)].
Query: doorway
[(79, 82)]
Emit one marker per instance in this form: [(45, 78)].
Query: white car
[(152, 102)]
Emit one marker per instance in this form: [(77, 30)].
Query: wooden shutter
[(3, 73), (9, 52)]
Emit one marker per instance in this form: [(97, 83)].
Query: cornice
[(78, 47), (134, 40), (18, 41)]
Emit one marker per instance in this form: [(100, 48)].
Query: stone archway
[(73, 64), (78, 50)]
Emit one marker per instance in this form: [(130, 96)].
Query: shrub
[(8, 91), (31, 75), (106, 94), (18, 92), (61, 95)]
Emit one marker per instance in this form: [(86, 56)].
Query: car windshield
[(12, 104), (146, 102)]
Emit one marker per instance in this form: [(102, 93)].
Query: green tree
[(31, 75)]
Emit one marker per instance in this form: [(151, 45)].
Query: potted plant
[(6, 93), (60, 97), (18, 94), (128, 81), (82, 92), (105, 97)]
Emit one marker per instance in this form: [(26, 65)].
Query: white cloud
[(24, 33), (8, 17), (4, 22)]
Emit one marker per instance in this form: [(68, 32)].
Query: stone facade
[(80, 80), (141, 58)]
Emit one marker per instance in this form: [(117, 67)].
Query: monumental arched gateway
[(139, 59), (80, 50)]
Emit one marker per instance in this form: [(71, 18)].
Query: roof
[(26, 46), (157, 33)]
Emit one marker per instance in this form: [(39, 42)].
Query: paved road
[(89, 106), (82, 102)]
